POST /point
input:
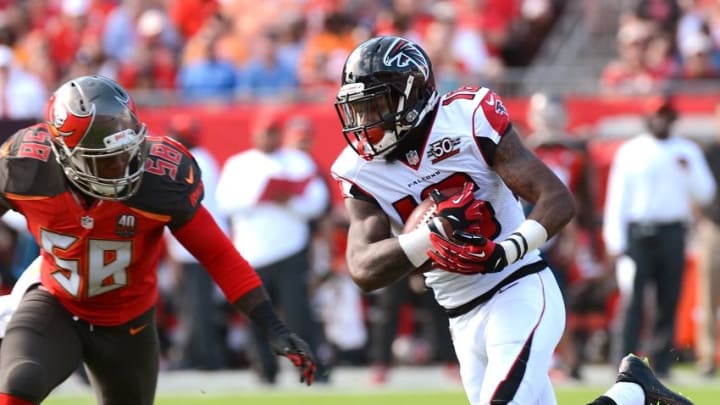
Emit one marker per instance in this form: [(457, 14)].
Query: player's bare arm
[(528, 177), (374, 257)]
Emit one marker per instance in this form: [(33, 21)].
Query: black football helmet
[(97, 137), (387, 89)]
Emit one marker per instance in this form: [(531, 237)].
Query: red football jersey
[(566, 162), (99, 261)]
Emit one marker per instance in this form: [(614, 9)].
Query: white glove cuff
[(415, 244), (530, 235)]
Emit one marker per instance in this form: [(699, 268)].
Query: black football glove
[(467, 253), (290, 345)]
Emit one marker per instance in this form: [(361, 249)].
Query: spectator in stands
[(199, 305), (709, 265), (529, 30), (266, 75), (660, 57), (22, 94), (292, 33), (91, 60), (190, 15), (664, 13), (270, 192), (630, 73), (219, 29), (78, 19), (210, 78), (457, 50), (697, 51), (124, 26), (32, 54), (152, 64), (325, 52), (654, 180)]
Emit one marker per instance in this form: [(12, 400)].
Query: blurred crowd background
[(552, 60)]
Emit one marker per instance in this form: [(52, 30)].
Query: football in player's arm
[(97, 193), (406, 143)]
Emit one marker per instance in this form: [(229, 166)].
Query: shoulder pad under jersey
[(171, 184), (28, 167)]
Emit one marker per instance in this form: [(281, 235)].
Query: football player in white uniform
[(405, 141)]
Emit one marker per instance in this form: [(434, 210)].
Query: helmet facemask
[(377, 118), (113, 172)]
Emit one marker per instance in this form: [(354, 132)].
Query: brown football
[(422, 214)]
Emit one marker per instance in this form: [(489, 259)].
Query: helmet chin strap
[(391, 139)]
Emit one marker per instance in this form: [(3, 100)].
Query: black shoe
[(636, 370)]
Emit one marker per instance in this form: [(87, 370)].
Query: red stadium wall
[(226, 130)]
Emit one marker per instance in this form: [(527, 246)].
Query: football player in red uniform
[(406, 142), (97, 193)]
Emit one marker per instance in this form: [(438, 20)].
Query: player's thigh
[(524, 325), (41, 347), (519, 330), (468, 337), (123, 361)]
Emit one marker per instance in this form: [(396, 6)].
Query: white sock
[(626, 393)]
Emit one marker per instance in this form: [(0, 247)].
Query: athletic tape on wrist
[(528, 236), (415, 244)]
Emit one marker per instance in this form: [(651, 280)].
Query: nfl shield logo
[(87, 222), (412, 157)]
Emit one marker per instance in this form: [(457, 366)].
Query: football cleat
[(636, 370)]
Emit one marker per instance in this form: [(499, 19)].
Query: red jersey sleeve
[(202, 237)]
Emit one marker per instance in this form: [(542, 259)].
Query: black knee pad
[(27, 380)]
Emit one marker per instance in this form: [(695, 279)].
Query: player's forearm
[(256, 305), (378, 265), (553, 210)]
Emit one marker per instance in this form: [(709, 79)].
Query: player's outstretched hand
[(290, 345), (467, 253)]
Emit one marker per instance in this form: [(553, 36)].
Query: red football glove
[(467, 253), (461, 209)]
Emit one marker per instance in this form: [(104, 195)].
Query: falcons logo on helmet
[(403, 53)]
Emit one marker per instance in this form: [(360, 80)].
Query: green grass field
[(566, 396)]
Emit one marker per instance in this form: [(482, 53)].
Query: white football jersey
[(468, 126)]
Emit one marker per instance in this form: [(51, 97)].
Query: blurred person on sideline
[(655, 179), (478, 251), (98, 203), (298, 133), (336, 301), (385, 313), (709, 265), (270, 193), (566, 155), (198, 304)]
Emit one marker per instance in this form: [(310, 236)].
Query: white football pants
[(505, 346)]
